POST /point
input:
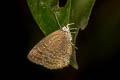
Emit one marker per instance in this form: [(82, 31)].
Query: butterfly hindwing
[(53, 51)]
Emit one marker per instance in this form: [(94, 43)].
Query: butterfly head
[(66, 28)]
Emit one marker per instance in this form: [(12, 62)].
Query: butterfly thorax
[(68, 33)]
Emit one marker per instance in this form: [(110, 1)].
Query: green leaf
[(74, 11), (43, 13), (80, 13)]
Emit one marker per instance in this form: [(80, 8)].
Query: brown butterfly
[(53, 51)]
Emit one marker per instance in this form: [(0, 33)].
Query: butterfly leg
[(74, 45), (73, 32), (73, 28), (70, 24)]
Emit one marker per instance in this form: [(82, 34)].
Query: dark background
[(99, 44)]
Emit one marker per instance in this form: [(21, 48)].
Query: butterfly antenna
[(57, 20)]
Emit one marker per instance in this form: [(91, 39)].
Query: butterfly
[(53, 51)]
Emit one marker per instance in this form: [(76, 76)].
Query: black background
[(99, 44)]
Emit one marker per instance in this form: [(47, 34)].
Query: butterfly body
[(53, 51)]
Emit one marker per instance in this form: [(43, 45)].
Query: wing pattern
[(53, 51)]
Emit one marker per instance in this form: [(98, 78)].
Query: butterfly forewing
[(53, 51)]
